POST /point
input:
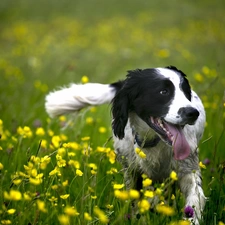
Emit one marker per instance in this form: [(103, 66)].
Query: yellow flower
[(85, 138), (118, 186), (71, 154), (79, 173), (143, 205), (71, 211), (25, 132), (140, 153), (198, 77), (84, 79), (205, 70), (221, 223), (63, 137), (74, 163), (109, 206), (147, 182), (53, 199), (56, 141), (65, 183), (137, 150), (17, 181), (101, 149), (166, 210), (40, 131), (35, 181), (112, 156), (64, 220), (112, 171), (93, 109), (1, 166), (50, 133), (93, 197), (173, 197), (13, 195), (101, 215), (123, 195), (93, 166), (158, 191), (93, 172), (11, 211), (163, 53), (64, 196), (202, 165), (61, 151), (44, 143), (56, 171), (6, 222), (102, 130), (61, 162), (26, 197), (87, 216), (134, 194), (41, 206), (89, 120), (149, 194), (62, 118), (181, 222), (173, 175), (54, 187)]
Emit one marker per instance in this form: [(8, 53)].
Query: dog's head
[(162, 98)]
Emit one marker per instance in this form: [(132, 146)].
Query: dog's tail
[(78, 96)]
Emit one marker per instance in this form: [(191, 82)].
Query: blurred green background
[(46, 44)]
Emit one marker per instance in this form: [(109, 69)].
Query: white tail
[(78, 96)]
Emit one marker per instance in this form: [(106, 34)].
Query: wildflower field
[(64, 170)]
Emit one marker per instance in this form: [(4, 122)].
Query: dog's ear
[(120, 106)]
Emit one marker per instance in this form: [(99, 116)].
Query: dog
[(155, 110)]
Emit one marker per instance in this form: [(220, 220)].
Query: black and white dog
[(156, 111)]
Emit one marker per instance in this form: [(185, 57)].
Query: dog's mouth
[(173, 135)]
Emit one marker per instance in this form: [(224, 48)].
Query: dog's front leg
[(190, 185)]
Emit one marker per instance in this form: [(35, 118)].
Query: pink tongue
[(180, 145)]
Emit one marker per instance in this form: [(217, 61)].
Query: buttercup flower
[(134, 194), (101, 215), (143, 205), (11, 211), (173, 175), (166, 210), (84, 79), (202, 165), (118, 186), (71, 211), (87, 216), (64, 196), (146, 182)]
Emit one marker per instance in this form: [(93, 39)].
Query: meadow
[(64, 170)]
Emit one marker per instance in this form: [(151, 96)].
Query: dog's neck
[(145, 137)]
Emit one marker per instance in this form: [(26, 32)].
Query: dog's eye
[(164, 92)]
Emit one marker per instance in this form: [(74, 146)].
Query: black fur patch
[(145, 92), (184, 85)]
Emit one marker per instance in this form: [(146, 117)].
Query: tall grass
[(63, 171)]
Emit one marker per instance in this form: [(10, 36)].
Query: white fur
[(76, 97)]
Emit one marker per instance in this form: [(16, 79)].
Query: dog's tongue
[(180, 145)]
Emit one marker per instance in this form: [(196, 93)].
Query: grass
[(63, 171)]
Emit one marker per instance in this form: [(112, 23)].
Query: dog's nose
[(188, 115)]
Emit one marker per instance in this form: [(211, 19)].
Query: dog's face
[(162, 98)]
